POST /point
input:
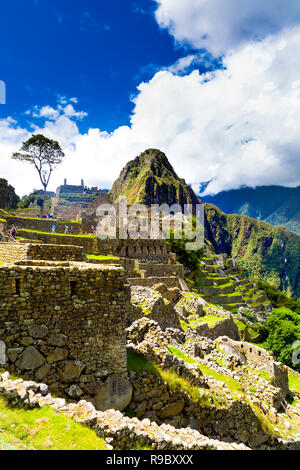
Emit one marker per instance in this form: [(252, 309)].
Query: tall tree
[(43, 153)]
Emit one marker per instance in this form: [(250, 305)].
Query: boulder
[(30, 359), (115, 393), (71, 371), (171, 410), (58, 355), (74, 391), (3, 358), (57, 340), (38, 331), (42, 372), (14, 353)]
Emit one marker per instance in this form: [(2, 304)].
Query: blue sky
[(214, 84), (98, 51)]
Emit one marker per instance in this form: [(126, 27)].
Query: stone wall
[(259, 359), (55, 252), (170, 282), (64, 324), (90, 244), (121, 432), (12, 252), (3, 226), (42, 225), (161, 270), (149, 250)]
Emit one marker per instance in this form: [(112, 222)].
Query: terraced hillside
[(227, 287), (265, 251)]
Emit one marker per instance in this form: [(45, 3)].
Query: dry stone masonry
[(64, 323)]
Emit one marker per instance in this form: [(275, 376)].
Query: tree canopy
[(43, 153)]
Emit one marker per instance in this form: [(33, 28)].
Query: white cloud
[(239, 125), (221, 25)]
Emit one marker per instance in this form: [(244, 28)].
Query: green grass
[(176, 352), (138, 364), (294, 381), (49, 220), (232, 384), (241, 326), (88, 235), (102, 257), (260, 373), (43, 429), (193, 321)]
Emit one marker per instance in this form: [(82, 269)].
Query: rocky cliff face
[(151, 179), (8, 197)]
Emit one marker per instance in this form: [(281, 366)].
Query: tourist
[(13, 232), (53, 228), (66, 229), (71, 230)]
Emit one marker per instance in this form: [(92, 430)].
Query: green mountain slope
[(265, 251), (276, 205), (151, 179)]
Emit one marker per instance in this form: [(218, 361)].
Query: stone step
[(170, 282), (223, 299), (234, 306), (210, 281), (208, 261), (218, 290)]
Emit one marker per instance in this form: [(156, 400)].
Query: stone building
[(64, 323)]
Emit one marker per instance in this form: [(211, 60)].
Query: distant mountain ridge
[(277, 205)]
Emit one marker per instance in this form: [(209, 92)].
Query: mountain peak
[(151, 179)]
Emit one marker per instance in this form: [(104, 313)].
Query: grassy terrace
[(43, 429), (232, 384), (138, 364), (88, 235), (193, 321), (102, 257), (49, 220)]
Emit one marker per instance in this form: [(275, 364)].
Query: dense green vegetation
[(283, 328), (278, 298), (186, 257)]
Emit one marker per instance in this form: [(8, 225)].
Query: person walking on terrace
[(13, 232), (53, 228)]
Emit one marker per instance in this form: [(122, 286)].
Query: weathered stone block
[(116, 393), (30, 359)]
